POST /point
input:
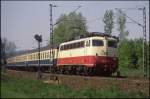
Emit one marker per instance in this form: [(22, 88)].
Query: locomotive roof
[(92, 34)]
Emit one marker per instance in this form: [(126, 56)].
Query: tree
[(7, 48), (108, 20), (124, 52), (121, 20), (69, 26)]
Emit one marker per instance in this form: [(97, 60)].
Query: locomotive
[(95, 54)]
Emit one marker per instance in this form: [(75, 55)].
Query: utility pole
[(144, 42), (145, 69), (51, 25), (51, 33)]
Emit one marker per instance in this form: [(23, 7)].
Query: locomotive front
[(105, 51)]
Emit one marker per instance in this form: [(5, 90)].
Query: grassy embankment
[(129, 72), (12, 87)]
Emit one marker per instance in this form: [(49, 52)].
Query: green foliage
[(130, 54), (69, 26), (12, 87), (121, 21), (108, 20)]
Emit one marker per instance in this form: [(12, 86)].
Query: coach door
[(86, 50)]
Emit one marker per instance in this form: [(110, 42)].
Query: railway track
[(77, 82)]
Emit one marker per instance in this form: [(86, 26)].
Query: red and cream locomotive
[(93, 54)]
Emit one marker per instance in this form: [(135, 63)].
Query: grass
[(12, 87), (129, 72)]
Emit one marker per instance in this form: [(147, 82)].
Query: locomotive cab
[(105, 51)]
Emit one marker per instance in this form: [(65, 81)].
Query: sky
[(21, 20)]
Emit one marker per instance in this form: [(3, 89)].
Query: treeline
[(130, 53)]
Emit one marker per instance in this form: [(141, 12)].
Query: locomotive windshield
[(97, 43), (112, 43)]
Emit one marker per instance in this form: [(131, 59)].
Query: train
[(95, 54)]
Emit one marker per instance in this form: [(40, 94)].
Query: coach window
[(97, 43)]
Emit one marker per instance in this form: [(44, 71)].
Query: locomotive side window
[(97, 43), (82, 44), (72, 46), (112, 43)]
